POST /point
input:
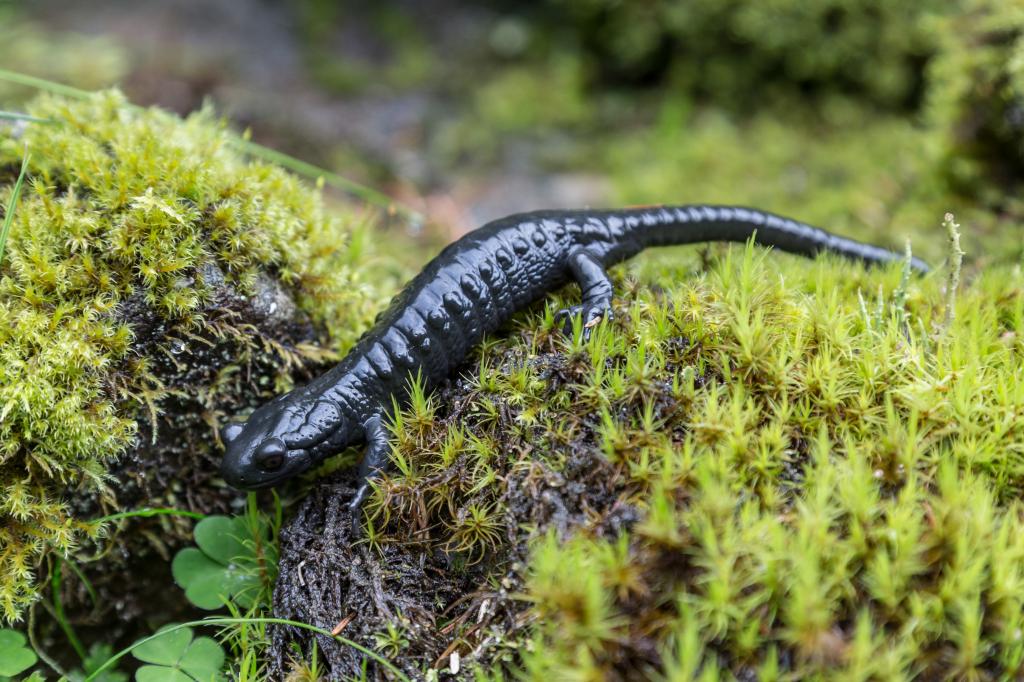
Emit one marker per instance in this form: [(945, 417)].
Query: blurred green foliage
[(741, 52), (844, 147), (410, 61), (976, 99), (89, 62)]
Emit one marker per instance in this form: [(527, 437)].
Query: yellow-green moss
[(827, 476), (123, 202)]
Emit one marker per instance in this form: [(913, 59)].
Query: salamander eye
[(270, 455)]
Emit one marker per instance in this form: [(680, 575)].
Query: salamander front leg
[(374, 462), (588, 271)]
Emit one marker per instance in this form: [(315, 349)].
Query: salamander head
[(280, 440)]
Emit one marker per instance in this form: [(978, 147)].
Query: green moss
[(824, 472), (130, 207)]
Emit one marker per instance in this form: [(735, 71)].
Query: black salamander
[(467, 291)]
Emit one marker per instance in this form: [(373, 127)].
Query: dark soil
[(354, 590)]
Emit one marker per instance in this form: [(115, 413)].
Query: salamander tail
[(690, 224)]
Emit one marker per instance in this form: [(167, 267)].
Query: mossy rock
[(763, 468), (154, 283)]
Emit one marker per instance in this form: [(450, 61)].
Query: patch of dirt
[(354, 590)]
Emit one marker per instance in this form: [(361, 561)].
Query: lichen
[(136, 230)]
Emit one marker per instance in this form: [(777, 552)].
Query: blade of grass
[(314, 172), (145, 513), (85, 581), (237, 621), (9, 214), (38, 647), (293, 164), (56, 581), (15, 116), (42, 84)]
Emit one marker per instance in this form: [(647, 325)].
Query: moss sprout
[(956, 261)]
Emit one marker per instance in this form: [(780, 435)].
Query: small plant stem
[(9, 213), (16, 116), (85, 581), (144, 513), (956, 259), (899, 297), (312, 171), (36, 647), (257, 538), (56, 581), (42, 84), (238, 621)]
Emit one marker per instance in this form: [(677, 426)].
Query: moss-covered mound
[(153, 282), (763, 467)]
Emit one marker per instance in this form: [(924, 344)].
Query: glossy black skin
[(467, 291)]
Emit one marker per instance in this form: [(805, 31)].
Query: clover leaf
[(225, 565), (15, 656), (174, 656)]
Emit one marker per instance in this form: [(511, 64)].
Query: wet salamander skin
[(468, 290)]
